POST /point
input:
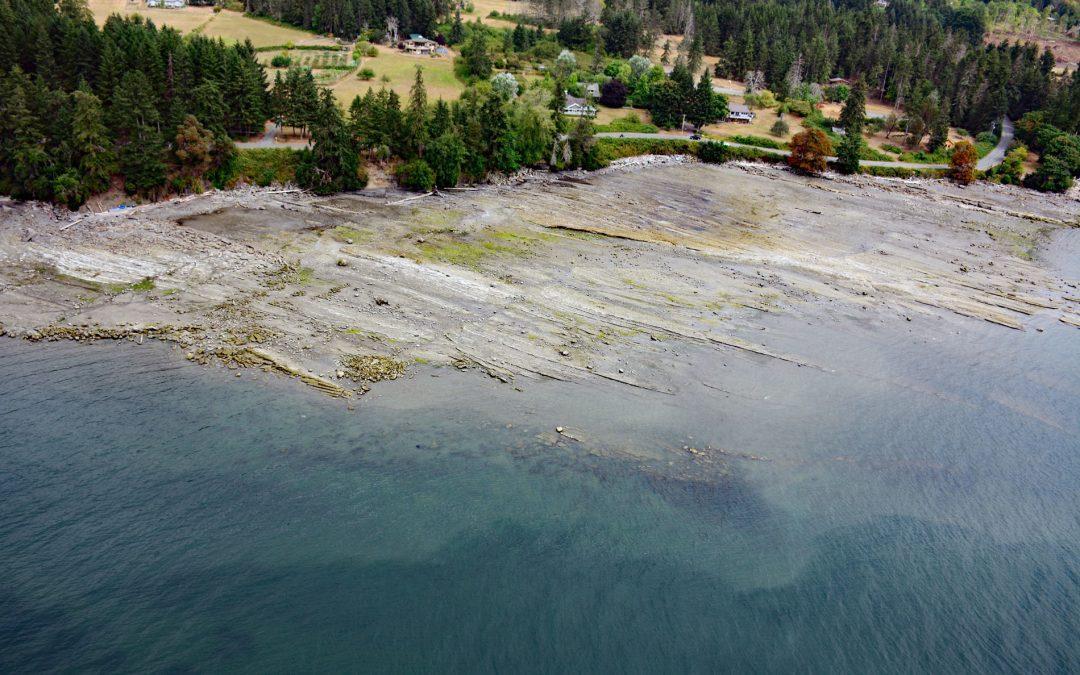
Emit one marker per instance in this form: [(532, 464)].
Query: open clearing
[(608, 276), (228, 25), (1066, 50), (481, 9), (400, 68)]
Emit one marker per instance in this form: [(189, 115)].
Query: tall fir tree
[(136, 119), (91, 144), (852, 119)]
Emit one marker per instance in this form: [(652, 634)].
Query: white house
[(740, 113), (578, 107), (167, 4)]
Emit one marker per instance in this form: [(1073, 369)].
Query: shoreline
[(597, 277)]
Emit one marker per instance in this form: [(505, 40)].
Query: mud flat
[(607, 277)]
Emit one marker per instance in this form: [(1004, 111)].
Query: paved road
[(771, 151), (997, 155), (992, 159)]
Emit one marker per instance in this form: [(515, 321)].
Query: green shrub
[(837, 94), (779, 128), (1011, 169), (866, 152), (281, 61), (609, 149), (797, 107), (713, 152), (758, 141), (366, 74), (365, 50), (264, 166), (901, 172), (416, 175), (889, 147), (762, 99)]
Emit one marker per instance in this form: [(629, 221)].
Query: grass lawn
[(230, 26), (763, 121), (401, 69), (235, 27), (481, 9), (184, 20), (605, 115)]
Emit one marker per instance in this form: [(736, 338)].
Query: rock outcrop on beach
[(603, 276)]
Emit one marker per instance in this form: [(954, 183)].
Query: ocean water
[(912, 507)]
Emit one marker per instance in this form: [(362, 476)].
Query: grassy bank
[(265, 166)]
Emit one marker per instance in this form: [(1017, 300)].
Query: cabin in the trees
[(578, 107), (419, 45), (740, 113), (167, 4)]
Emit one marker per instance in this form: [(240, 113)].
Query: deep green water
[(920, 512)]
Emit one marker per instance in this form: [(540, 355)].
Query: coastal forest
[(128, 105)]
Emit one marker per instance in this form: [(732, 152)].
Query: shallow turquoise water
[(919, 512)]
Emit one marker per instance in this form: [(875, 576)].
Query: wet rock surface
[(607, 278)]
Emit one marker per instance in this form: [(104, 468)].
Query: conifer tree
[(137, 123), (91, 145), (416, 117), (852, 119)]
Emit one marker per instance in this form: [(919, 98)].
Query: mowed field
[(230, 26), (400, 68), (481, 9)]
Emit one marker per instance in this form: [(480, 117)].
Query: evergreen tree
[(706, 106), (441, 120), (457, 30), (208, 105), (31, 167), (416, 117), (500, 150), (852, 120), (697, 52), (332, 165), (520, 38), (91, 144), (137, 123), (939, 130), (476, 57), (444, 155), (582, 146)]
